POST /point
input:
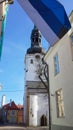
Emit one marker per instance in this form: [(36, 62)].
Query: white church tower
[(35, 96)]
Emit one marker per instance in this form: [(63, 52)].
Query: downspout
[(49, 99)]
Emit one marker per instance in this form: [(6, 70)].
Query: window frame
[(60, 104), (13, 112), (56, 64), (31, 61)]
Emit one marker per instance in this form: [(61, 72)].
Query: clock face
[(37, 57)]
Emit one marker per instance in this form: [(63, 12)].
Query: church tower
[(35, 96), (35, 42)]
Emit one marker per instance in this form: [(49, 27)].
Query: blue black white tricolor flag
[(49, 16)]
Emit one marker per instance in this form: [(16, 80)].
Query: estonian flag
[(49, 16)]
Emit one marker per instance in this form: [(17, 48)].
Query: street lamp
[(7, 1)]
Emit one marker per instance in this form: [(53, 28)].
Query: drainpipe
[(48, 89), (49, 101)]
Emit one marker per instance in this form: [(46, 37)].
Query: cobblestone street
[(22, 128)]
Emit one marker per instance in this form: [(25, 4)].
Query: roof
[(20, 106), (11, 106)]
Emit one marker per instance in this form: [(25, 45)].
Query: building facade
[(11, 113), (20, 114), (59, 59), (35, 96)]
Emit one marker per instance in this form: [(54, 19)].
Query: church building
[(35, 93)]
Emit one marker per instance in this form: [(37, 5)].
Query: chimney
[(10, 102), (3, 100)]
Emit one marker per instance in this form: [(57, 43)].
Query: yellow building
[(12, 116), (12, 113)]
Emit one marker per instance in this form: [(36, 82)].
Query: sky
[(16, 42)]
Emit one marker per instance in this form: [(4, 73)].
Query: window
[(56, 64), (13, 112), (31, 61), (32, 39), (37, 40), (60, 103)]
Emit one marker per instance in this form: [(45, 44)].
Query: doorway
[(43, 120)]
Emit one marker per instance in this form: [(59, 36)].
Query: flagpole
[(8, 2), (3, 21)]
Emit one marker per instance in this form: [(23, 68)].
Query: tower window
[(39, 40), (32, 39), (56, 64), (60, 103), (31, 61), (37, 57), (36, 39)]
